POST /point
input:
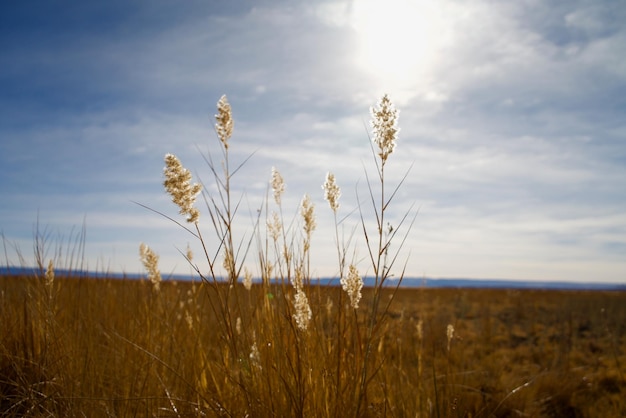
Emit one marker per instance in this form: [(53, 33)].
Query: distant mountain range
[(408, 282)]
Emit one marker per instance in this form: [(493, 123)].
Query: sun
[(398, 39)]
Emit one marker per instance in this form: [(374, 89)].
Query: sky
[(512, 121)]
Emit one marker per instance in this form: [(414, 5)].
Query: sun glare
[(398, 39)]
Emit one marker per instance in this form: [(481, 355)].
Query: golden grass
[(106, 347)]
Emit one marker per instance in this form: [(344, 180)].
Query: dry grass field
[(106, 347)]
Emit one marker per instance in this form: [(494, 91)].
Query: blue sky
[(513, 115)]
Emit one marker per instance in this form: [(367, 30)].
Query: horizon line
[(413, 282)]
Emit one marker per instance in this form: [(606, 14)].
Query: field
[(100, 347)]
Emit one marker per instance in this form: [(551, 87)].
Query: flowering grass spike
[(49, 276), (278, 185), (247, 279), (332, 192), (307, 210), (384, 126), (224, 118), (150, 261), (352, 285), (178, 184), (303, 313), (274, 226)]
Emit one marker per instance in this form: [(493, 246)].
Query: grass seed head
[(274, 226), (224, 118), (384, 125), (229, 263), (332, 192), (150, 261), (247, 278), (49, 276), (178, 184), (352, 285), (278, 185), (307, 210), (303, 313)]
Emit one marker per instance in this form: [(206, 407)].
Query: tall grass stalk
[(385, 136)]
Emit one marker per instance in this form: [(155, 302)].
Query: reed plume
[(178, 184), (303, 313), (278, 185), (49, 275), (274, 226), (247, 279), (352, 285), (224, 119), (384, 126), (332, 192), (150, 261), (307, 210)]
